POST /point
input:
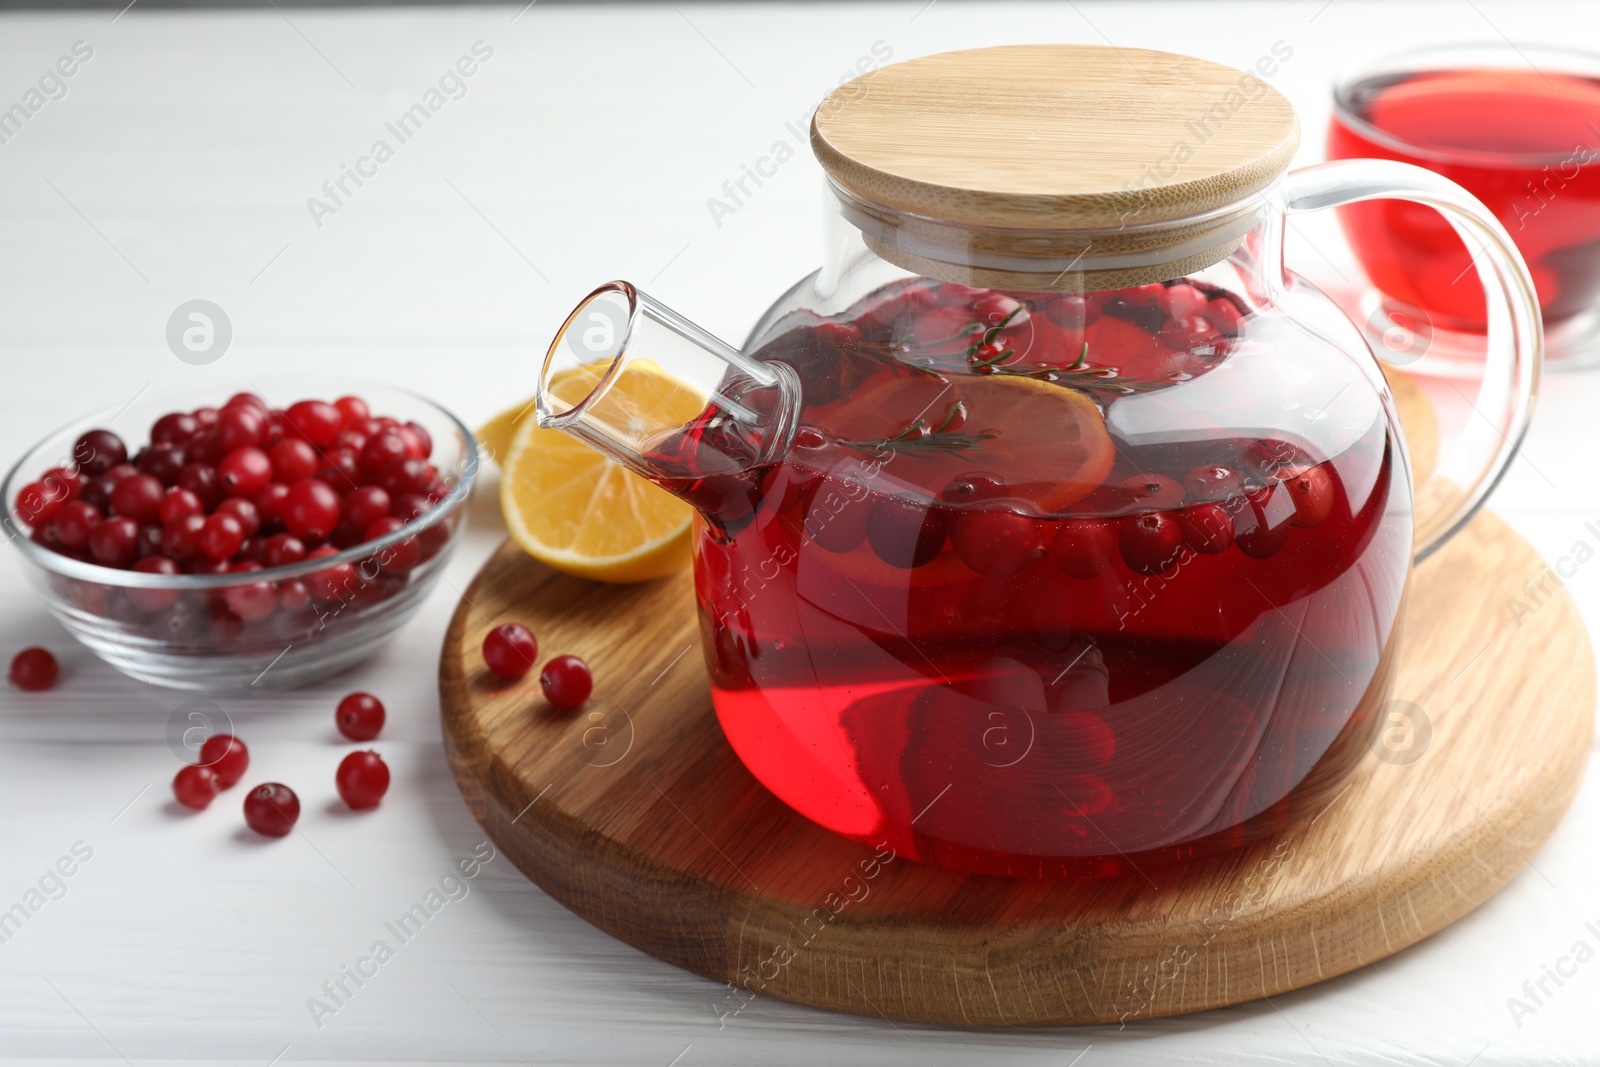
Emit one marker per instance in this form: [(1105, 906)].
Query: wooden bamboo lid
[(1014, 161)]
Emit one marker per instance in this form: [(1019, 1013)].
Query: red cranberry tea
[(1525, 142), (1028, 595)]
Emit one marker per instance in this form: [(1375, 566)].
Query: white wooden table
[(178, 165)]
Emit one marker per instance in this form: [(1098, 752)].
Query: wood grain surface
[(634, 813), (1421, 424), (1055, 135), (1021, 166)]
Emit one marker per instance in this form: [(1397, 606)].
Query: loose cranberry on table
[(566, 682), (271, 809), (226, 756), (360, 716), (510, 650), (34, 670), (196, 786), (362, 779)]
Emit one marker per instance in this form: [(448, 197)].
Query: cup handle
[(1455, 491)]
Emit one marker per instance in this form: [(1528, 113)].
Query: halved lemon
[(583, 513), (495, 436), (1048, 443)]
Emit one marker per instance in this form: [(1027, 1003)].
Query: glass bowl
[(272, 628)]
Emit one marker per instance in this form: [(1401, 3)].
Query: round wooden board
[(634, 813)]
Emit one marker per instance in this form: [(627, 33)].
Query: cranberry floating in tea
[(1519, 128), (1053, 527)]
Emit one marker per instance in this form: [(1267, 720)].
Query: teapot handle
[(1455, 491)]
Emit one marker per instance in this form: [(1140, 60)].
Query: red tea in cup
[(1525, 140)]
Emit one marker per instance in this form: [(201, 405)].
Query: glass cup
[(1518, 126)]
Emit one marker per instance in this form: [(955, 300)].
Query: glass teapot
[(1053, 527)]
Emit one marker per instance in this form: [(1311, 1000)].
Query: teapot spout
[(641, 384)]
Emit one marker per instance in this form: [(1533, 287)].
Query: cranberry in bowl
[(212, 538)]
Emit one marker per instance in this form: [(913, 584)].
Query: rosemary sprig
[(920, 371), (903, 355), (988, 339), (992, 362), (1079, 374), (985, 337), (918, 438)]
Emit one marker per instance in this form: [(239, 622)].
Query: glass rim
[(642, 309), (1252, 202), (1157, 242), (548, 417), (1514, 52), (57, 563)]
